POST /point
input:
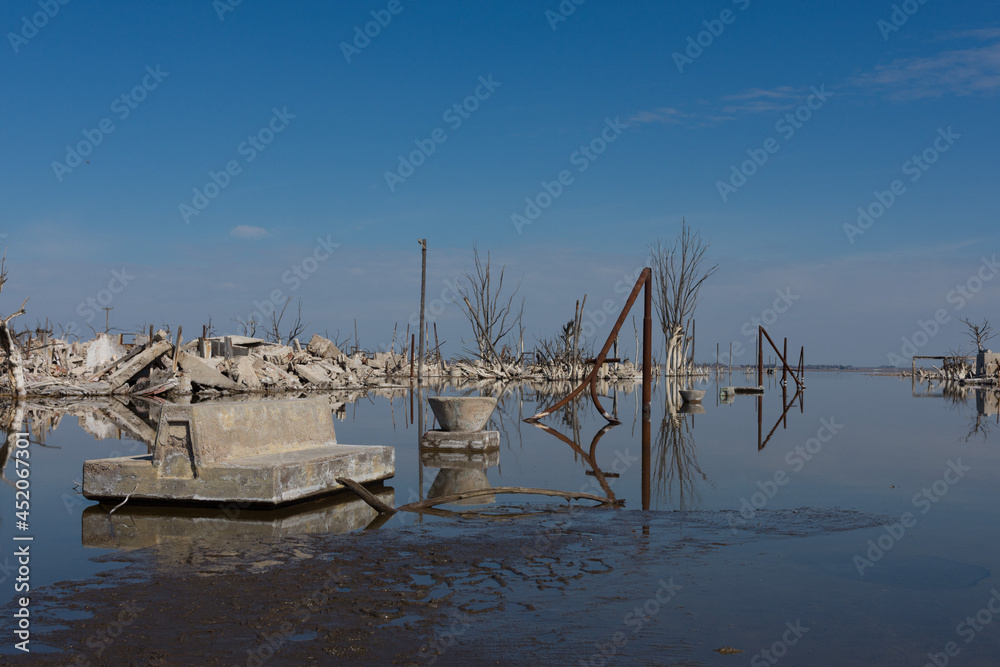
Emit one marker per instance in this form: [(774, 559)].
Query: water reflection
[(138, 526)]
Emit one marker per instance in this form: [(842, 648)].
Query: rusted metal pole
[(644, 278), (784, 367), (647, 348), (775, 348), (647, 388), (760, 357), (423, 290)]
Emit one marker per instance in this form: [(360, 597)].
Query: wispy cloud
[(973, 71), (727, 108), (661, 115), (248, 232)]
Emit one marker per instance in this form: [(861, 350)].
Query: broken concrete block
[(323, 347), (130, 368), (244, 373), (102, 351), (202, 374), (311, 374)]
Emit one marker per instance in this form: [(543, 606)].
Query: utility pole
[(423, 289)]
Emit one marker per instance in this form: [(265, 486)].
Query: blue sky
[(643, 128)]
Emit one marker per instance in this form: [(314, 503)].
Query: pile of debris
[(211, 365)]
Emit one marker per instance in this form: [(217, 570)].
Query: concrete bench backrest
[(191, 435)]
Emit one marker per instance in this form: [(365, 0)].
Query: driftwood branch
[(366, 496), (431, 502)]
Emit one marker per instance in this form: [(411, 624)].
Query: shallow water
[(864, 443)]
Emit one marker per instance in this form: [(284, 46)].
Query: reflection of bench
[(258, 453)]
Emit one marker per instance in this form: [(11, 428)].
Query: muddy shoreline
[(548, 587)]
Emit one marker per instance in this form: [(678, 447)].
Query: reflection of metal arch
[(645, 280), (590, 458)]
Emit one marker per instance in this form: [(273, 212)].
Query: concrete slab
[(263, 453), (460, 440)]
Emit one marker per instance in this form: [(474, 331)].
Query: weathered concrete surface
[(102, 351), (260, 452), (459, 440), (141, 526), (462, 413), (323, 347), (245, 374), (202, 374), (435, 458), (987, 363), (129, 368)]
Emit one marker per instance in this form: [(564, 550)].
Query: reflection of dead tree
[(679, 271), (491, 318), (677, 461), (13, 420), (15, 360)]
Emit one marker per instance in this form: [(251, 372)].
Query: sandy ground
[(553, 586)]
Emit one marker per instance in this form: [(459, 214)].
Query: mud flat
[(550, 586)]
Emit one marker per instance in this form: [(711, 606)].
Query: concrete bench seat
[(262, 453)]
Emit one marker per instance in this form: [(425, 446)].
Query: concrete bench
[(261, 453)]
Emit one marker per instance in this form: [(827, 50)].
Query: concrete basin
[(462, 413), (692, 395)]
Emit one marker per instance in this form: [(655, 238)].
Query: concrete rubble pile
[(217, 365)]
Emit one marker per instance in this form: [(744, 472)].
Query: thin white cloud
[(972, 71), (248, 232), (661, 115)]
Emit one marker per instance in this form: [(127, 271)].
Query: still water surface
[(925, 459)]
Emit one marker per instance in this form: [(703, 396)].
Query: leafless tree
[(979, 334), (15, 359), (273, 332), (491, 316), (679, 270)]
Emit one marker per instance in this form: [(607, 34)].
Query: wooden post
[(413, 338), (423, 290), (730, 361)]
